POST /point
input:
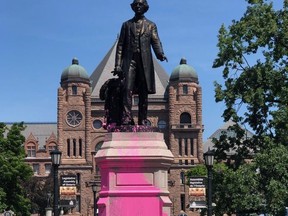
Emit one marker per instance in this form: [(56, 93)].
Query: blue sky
[(40, 38)]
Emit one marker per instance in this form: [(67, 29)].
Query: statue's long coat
[(148, 38)]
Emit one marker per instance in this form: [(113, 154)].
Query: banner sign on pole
[(197, 186)]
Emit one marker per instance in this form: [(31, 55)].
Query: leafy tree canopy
[(253, 53), (199, 170), (14, 171), (38, 190)]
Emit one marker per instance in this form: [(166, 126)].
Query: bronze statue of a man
[(133, 62)]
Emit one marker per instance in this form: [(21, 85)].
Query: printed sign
[(68, 191), (68, 180), (197, 186), (68, 185)]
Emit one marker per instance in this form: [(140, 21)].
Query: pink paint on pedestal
[(133, 169)]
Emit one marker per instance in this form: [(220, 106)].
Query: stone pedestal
[(134, 180)]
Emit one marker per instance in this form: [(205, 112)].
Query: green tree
[(199, 170), (14, 171), (2, 199), (253, 54), (237, 190), (272, 171), (37, 190)]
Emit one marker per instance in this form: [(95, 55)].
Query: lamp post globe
[(56, 160), (209, 158), (94, 188), (56, 157)]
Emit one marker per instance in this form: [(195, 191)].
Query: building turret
[(185, 120), (74, 114)]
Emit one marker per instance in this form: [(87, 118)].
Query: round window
[(97, 124), (147, 122), (74, 118), (162, 124)]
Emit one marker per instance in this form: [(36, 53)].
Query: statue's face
[(139, 7)]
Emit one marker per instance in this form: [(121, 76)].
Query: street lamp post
[(94, 185), (94, 189), (209, 159), (56, 159)]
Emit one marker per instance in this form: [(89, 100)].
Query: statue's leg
[(143, 94), (142, 107), (130, 76)]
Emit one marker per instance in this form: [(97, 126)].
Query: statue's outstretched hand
[(163, 58)]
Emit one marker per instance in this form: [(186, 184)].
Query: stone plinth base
[(134, 180)]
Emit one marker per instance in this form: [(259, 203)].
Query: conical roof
[(103, 72)]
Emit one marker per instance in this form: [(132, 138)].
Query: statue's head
[(140, 6)]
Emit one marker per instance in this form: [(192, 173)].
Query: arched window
[(185, 118), (182, 177), (186, 146), (51, 146), (74, 147), (68, 148), (80, 147), (185, 89), (180, 146), (98, 146), (78, 179), (74, 90), (182, 202), (191, 146)]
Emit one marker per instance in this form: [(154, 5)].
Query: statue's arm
[(119, 49), (156, 44)]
